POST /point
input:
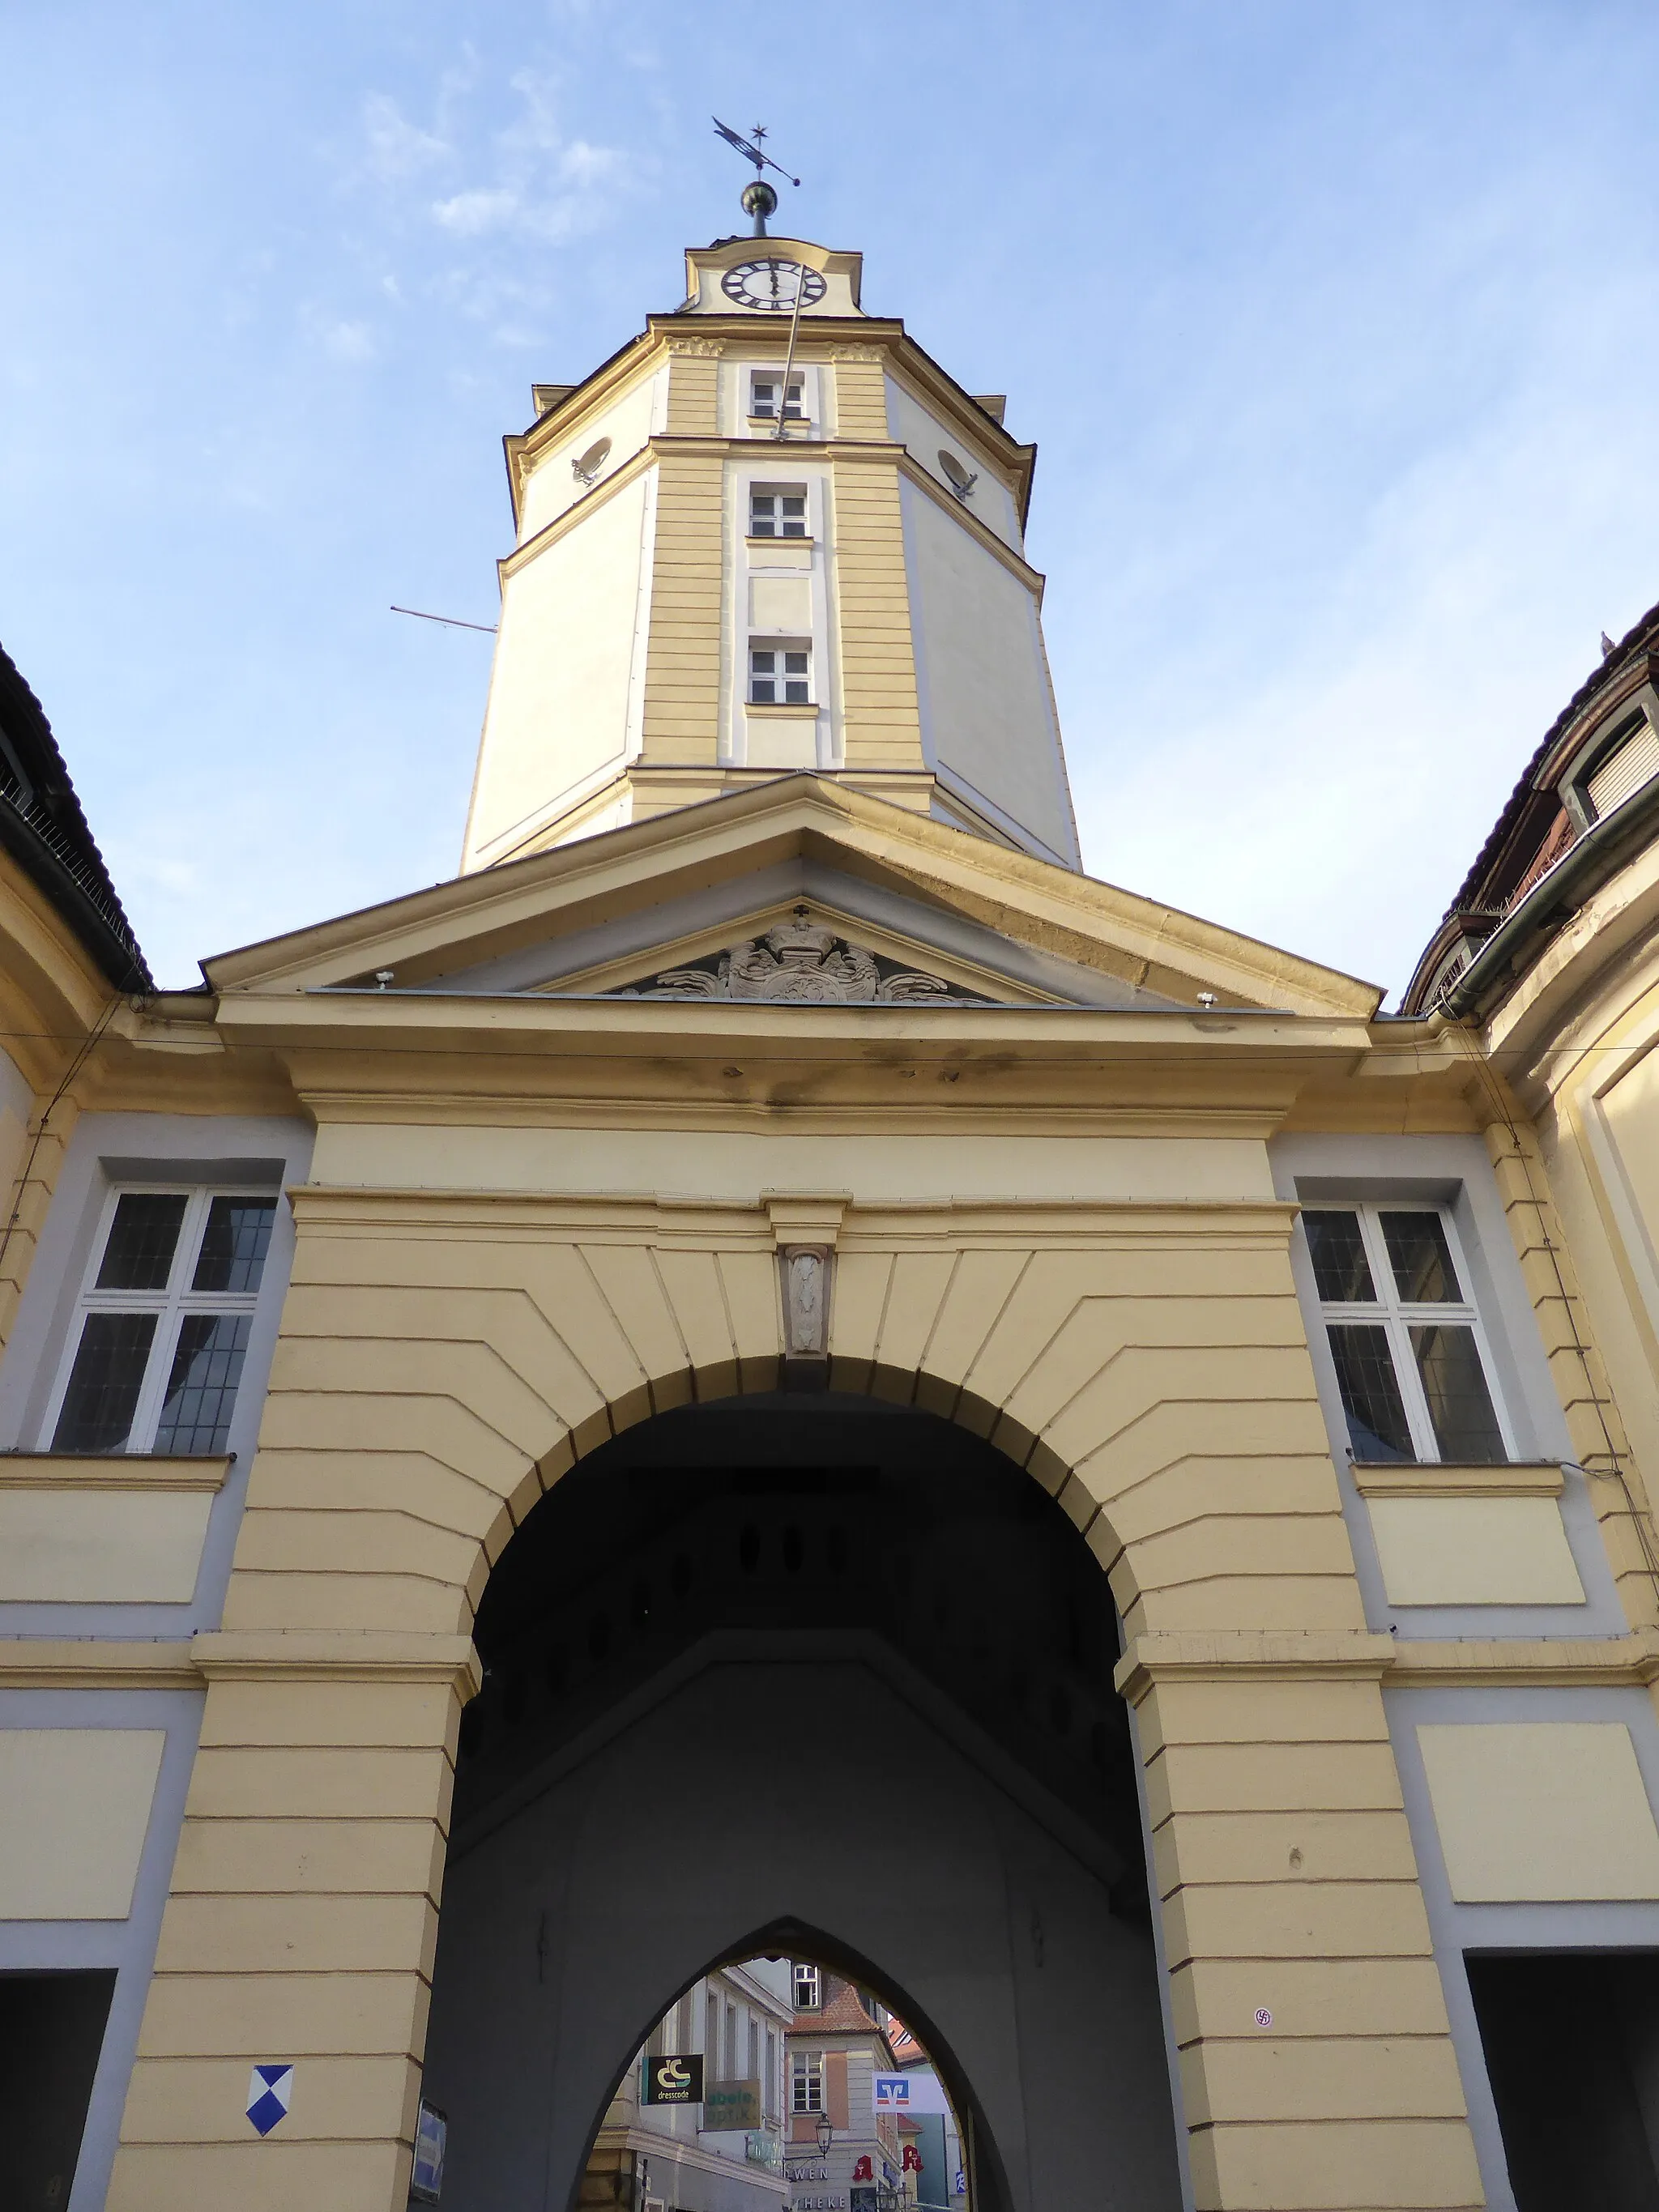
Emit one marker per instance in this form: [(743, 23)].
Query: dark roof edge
[(44, 830), (1644, 632), (1581, 870)]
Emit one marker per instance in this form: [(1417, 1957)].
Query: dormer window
[(770, 402), (779, 676), (1630, 760), (777, 511)]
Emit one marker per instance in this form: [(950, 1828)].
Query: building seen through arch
[(776, 1430)]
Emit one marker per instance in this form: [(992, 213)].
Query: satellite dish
[(961, 479), (587, 466)]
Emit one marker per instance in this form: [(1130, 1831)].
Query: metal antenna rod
[(789, 358), (449, 622)]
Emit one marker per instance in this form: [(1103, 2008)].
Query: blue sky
[(1335, 322)]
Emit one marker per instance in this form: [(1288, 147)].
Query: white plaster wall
[(560, 694), (922, 434), (551, 487), (982, 676), (16, 1104)]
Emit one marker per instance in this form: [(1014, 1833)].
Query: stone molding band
[(1224, 1656), (1209, 1655), (260, 1656)]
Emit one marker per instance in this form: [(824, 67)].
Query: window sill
[(1439, 1478), (771, 545), (25, 1470), (780, 711), (770, 422)]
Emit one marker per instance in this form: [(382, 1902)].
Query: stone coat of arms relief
[(800, 962)]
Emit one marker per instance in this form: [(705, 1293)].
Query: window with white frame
[(769, 399), (807, 2081), (1411, 1362), (809, 1987), (161, 1327), (777, 510), (780, 675)]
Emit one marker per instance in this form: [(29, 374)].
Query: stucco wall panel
[(75, 1806), (1546, 1810), (1475, 1551), (98, 1546)]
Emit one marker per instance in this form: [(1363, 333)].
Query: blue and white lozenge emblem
[(269, 2090)]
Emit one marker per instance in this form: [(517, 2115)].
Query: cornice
[(93, 1663), (296, 1655), (494, 909), (1271, 1655), (149, 1472), (674, 1218)]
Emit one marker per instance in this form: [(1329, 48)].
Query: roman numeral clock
[(772, 284)]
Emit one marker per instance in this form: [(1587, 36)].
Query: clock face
[(772, 285)]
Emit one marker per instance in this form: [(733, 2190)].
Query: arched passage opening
[(849, 2099), (811, 1663)]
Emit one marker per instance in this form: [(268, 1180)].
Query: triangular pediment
[(801, 891)]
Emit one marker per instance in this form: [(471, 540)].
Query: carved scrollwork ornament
[(801, 962), (698, 348)]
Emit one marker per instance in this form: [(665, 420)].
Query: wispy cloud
[(396, 147)]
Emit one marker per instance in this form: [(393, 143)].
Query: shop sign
[(676, 2080), (809, 2169), (820, 2204), (730, 2104)]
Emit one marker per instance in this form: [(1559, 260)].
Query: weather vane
[(758, 199)]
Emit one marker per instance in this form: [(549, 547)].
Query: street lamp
[(826, 2135)]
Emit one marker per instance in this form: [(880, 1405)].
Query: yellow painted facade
[(1060, 1209)]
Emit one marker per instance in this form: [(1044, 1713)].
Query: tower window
[(777, 511), (808, 1987), (766, 397), (779, 676)]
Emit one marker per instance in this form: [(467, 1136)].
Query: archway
[(803, 1662)]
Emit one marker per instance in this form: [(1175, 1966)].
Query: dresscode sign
[(675, 2080)]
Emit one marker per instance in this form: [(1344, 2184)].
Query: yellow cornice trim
[(94, 1663), (143, 1471), (1432, 1478), (635, 1215), (1285, 1656), (302, 1655)]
